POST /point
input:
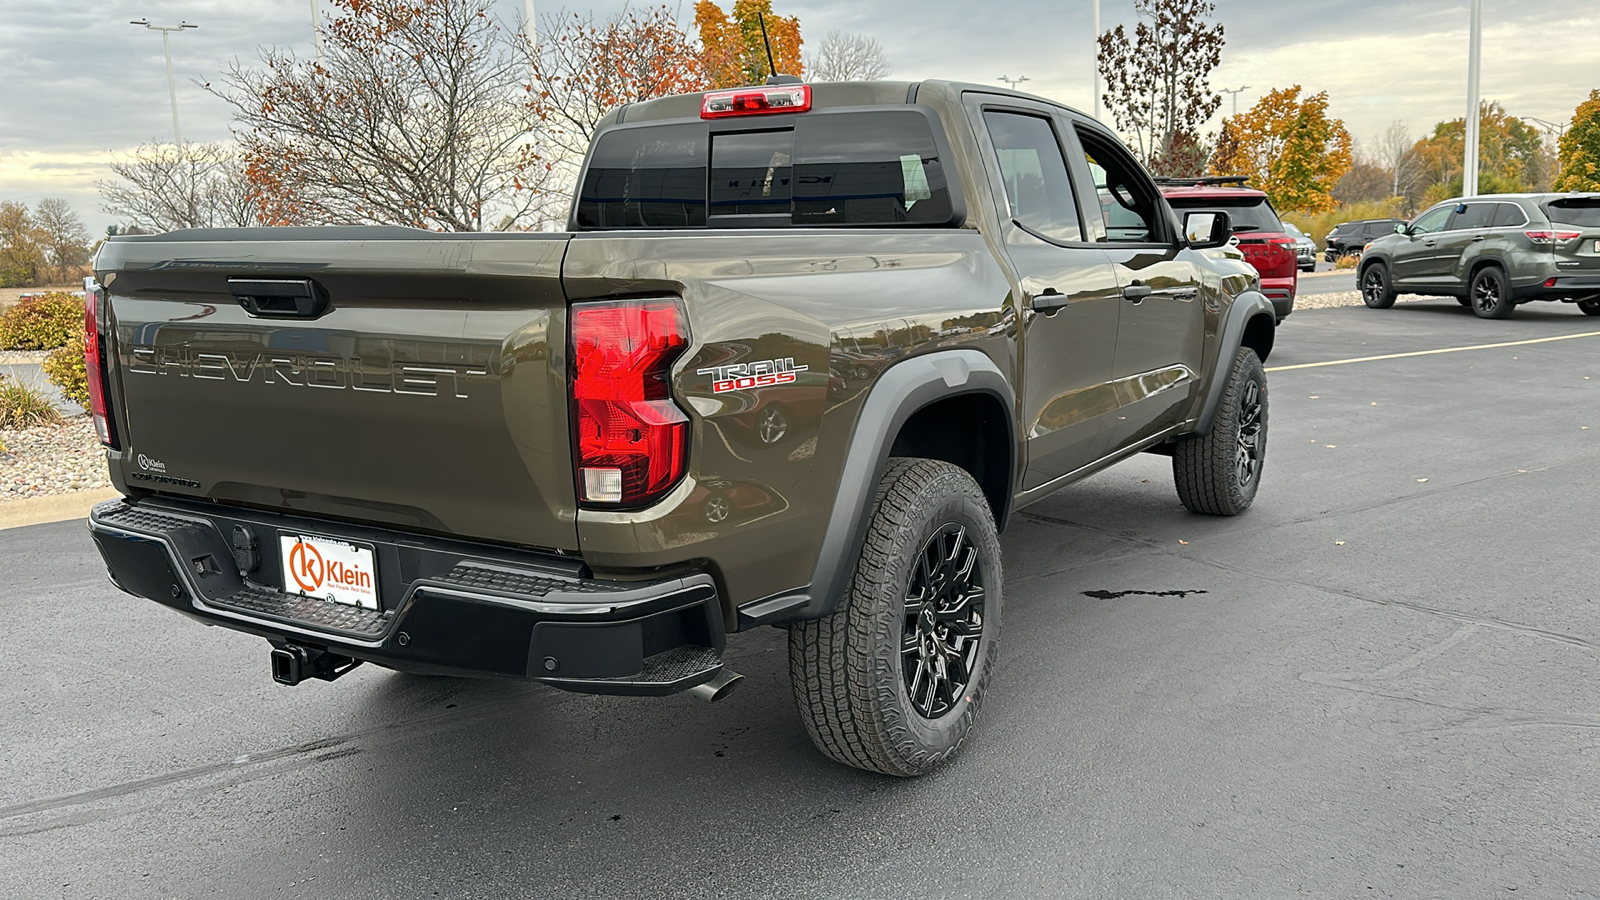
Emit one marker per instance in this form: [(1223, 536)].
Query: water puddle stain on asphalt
[(1118, 595)]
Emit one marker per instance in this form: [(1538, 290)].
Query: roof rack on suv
[(1203, 180)]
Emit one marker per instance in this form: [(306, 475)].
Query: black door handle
[(1049, 301), (1136, 292), (1429, 243), (1477, 239), (280, 298)]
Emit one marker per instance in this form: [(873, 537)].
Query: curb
[(39, 510)]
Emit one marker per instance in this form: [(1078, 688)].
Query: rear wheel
[(891, 681), (1376, 291), (1489, 294), (1590, 307), (1218, 474)]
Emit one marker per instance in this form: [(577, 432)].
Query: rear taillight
[(94, 363), (632, 441), (1553, 237), (756, 101)]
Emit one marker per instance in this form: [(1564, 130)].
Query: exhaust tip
[(720, 686)]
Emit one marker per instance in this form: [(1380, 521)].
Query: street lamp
[(1555, 130), (1235, 92), (1012, 82), (172, 90), (1096, 59)]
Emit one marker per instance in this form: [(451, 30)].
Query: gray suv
[(1492, 253)]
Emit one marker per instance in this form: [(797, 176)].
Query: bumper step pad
[(310, 612)]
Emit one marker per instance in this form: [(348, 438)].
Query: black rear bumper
[(445, 607)]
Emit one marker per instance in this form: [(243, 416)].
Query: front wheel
[(1489, 294), (1376, 291), (1218, 474), (891, 682), (1590, 307)]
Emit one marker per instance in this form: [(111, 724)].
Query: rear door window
[(1509, 215), (1469, 216), (874, 168), (1035, 175)]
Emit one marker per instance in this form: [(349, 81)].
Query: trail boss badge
[(744, 376)]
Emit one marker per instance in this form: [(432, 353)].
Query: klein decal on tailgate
[(745, 376)]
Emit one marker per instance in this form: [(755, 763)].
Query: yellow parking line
[(1345, 362)]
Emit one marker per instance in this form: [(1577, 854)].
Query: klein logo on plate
[(330, 569), (744, 376)]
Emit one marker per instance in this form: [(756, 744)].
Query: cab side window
[(1432, 220), (1127, 202), (1035, 175)]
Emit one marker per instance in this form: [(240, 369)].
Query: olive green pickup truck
[(800, 354)]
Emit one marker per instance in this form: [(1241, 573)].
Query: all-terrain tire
[(1376, 291), (848, 670), (1490, 294), (1218, 474)]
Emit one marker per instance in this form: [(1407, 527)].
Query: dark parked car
[(1492, 253), (1261, 235), (1349, 237)]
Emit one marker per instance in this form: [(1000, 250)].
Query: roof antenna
[(772, 67)]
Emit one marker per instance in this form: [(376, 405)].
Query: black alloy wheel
[(1247, 462), (943, 623), (1375, 289), (1489, 295)]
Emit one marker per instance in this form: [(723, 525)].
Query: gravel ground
[(51, 459), (1347, 298)]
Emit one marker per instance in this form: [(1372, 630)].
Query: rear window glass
[(1582, 213), (1246, 214), (869, 168), (1508, 215)]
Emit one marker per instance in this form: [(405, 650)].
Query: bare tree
[(417, 113), (848, 57), (1395, 151), (1157, 82), (64, 239), (162, 190)]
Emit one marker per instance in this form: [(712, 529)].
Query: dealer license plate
[(331, 569)]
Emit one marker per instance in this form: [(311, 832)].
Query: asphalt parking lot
[(1381, 682)]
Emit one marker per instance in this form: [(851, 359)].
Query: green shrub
[(67, 368), (41, 322), (22, 405)]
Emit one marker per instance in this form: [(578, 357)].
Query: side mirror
[(1402, 228), (1206, 229)]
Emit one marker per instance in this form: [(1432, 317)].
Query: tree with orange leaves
[(585, 68), (1289, 147), (734, 50)]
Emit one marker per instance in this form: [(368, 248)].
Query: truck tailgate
[(430, 394)]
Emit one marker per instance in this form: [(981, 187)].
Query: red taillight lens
[(756, 101), (632, 440), (94, 372), (1553, 237)]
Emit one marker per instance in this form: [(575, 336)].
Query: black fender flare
[(897, 395), (1245, 307)]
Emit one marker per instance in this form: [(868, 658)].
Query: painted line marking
[(1358, 359)]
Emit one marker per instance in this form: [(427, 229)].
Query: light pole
[(316, 28), (1235, 92), (172, 90), (1012, 82), (1469, 160), (1095, 58), (1555, 130)]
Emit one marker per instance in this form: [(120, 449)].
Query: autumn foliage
[(1580, 148), (1289, 147), (735, 53)]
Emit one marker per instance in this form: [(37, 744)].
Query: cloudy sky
[(79, 85)]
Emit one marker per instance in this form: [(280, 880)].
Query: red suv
[(1255, 225)]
